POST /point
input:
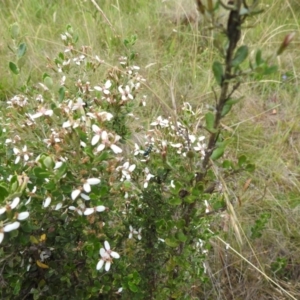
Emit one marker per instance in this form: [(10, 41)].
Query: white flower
[(79, 209), (132, 231), (42, 112), (200, 147), (105, 88), (126, 169), (10, 206), (89, 182), (96, 137), (125, 93), (160, 122), (7, 228), (105, 141), (24, 153), (107, 256), (148, 177), (90, 210)]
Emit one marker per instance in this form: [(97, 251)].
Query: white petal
[(115, 149), (1, 237), (93, 181), (131, 168), (87, 187), (95, 139), (108, 84), (130, 235), (85, 197), (23, 215), (107, 266), (15, 203), (98, 88), (99, 148), (72, 207), (100, 208), (58, 165), (100, 264), (2, 210), (88, 211), (106, 245), (47, 202), (102, 252), (96, 129), (11, 226), (75, 194), (58, 206), (114, 254), (17, 159), (66, 124)]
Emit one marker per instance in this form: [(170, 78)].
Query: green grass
[(180, 58)]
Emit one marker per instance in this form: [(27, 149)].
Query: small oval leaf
[(13, 67), (218, 72), (217, 153), (21, 50), (240, 55)]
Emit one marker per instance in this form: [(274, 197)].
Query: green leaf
[(175, 201), (61, 94), (242, 160), (181, 236), (50, 186), (227, 164), (258, 58), (217, 153), (3, 193), (210, 121), (48, 82), (218, 72), (14, 31), (233, 101), (250, 168), (240, 55), (133, 287), (40, 173), (21, 50), (270, 70), (226, 109), (171, 242), (17, 287), (13, 67), (48, 163), (61, 56)]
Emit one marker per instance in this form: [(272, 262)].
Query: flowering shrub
[(73, 180)]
